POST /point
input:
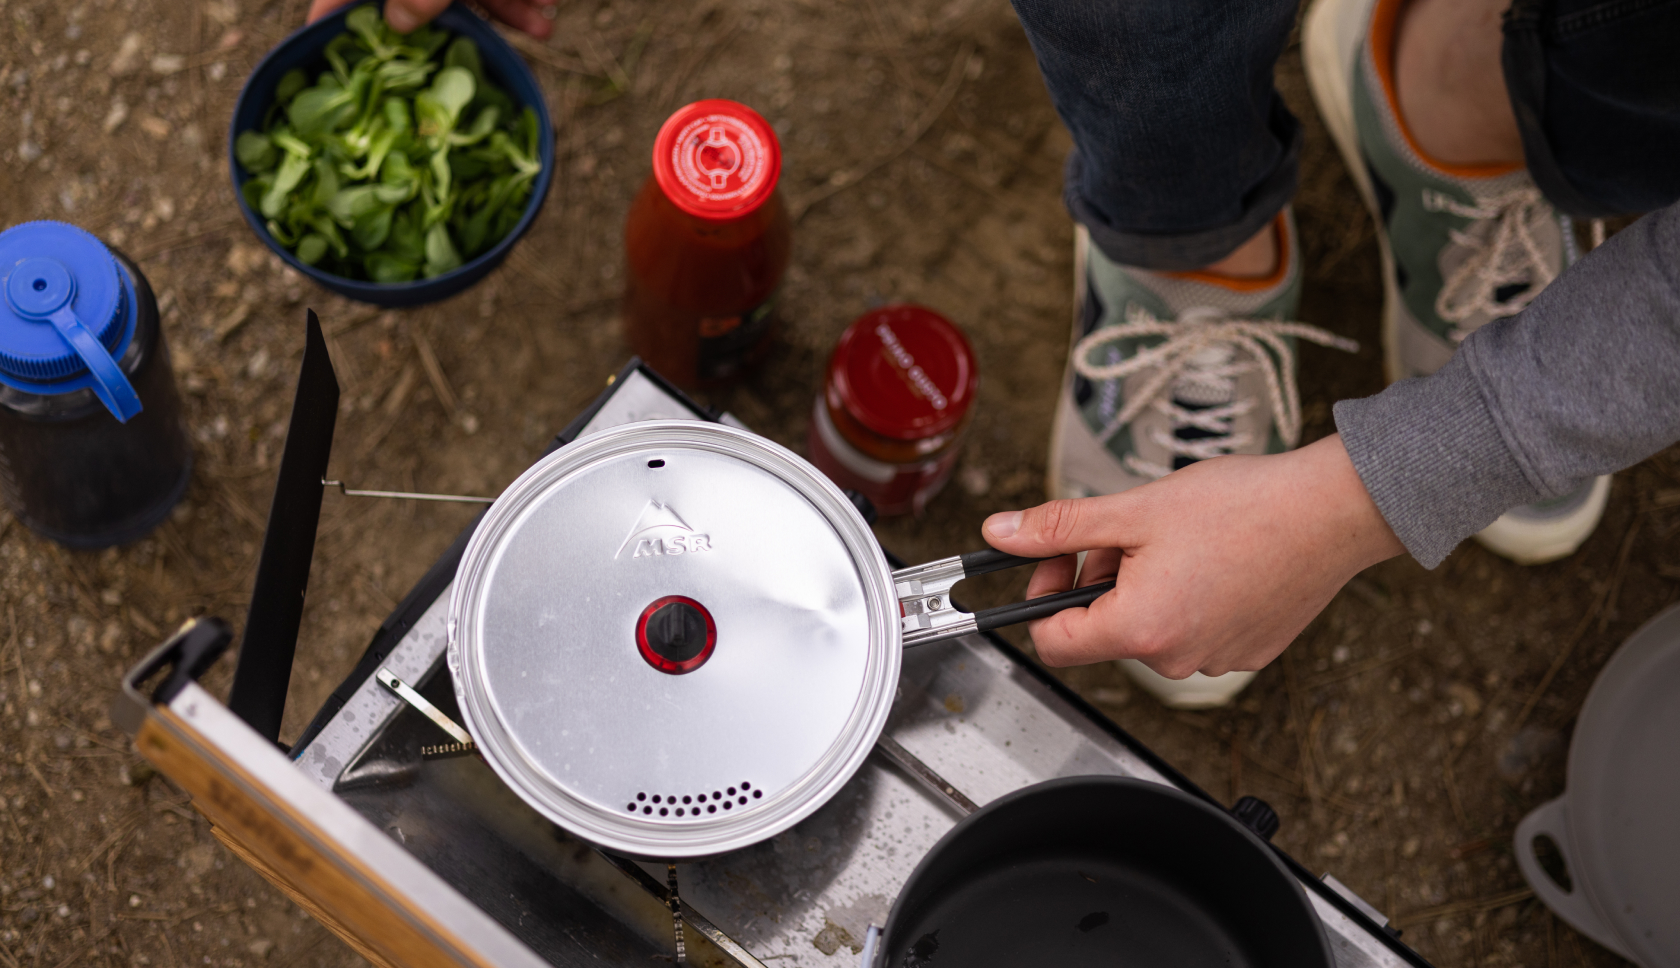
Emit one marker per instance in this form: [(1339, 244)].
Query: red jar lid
[(904, 372), (717, 159)]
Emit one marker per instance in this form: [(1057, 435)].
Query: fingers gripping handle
[(1552, 820)]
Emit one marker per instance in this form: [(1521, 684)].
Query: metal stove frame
[(417, 858)]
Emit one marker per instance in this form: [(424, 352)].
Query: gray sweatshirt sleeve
[(1585, 381)]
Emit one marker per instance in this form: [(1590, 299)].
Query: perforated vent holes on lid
[(674, 639)]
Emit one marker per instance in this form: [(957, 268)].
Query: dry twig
[(1298, 713), (124, 829), (843, 179), (434, 371), (1455, 908), (1580, 630), (1359, 668)]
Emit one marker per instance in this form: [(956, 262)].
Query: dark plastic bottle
[(93, 452)]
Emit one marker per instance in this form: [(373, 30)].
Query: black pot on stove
[(1089, 871)]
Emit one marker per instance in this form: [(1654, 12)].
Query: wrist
[(1336, 498)]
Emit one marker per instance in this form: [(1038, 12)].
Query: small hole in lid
[(656, 463), (731, 791), (39, 285), (632, 808), (641, 796), (687, 799), (712, 808), (663, 812), (746, 786), (757, 794), (656, 798), (647, 809), (743, 801), (679, 811), (727, 804)]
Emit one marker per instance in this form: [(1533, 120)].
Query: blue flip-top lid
[(66, 315)]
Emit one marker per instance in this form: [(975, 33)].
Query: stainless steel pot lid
[(673, 638)]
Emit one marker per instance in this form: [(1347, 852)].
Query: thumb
[(407, 16), (1062, 527)]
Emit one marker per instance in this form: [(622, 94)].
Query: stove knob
[(676, 634)]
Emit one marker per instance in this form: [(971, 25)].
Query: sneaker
[(1168, 368), (1461, 246)]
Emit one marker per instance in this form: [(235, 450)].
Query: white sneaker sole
[(1196, 692), (1530, 541)]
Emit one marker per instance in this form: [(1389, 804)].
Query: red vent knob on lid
[(676, 634)]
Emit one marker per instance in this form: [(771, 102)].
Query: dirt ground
[(1401, 739)]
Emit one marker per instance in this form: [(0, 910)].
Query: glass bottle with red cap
[(707, 244), (898, 396)]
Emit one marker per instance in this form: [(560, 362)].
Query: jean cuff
[(1187, 251), (1522, 59)]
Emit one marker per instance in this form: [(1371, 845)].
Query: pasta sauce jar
[(707, 242), (897, 398)]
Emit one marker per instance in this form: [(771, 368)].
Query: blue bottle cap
[(67, 313)]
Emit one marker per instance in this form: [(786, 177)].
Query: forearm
[(1583, 382)]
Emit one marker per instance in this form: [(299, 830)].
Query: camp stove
[(384, 823)]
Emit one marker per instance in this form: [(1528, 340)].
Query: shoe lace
[(1505, 255), (1201, 355)]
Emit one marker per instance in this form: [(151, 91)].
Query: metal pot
[(1614, 824), (1098, 871), (676, 639)]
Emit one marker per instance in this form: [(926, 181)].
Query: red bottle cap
[(717, 159), (904, 372)]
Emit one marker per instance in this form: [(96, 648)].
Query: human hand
[(406, 15), (1217, 566)]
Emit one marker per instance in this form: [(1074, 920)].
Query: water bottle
[(93, 452)]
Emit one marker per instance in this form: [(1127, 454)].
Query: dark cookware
[(1101, 871)]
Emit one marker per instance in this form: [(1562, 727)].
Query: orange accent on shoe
[(1247, 284), (1385, 23)]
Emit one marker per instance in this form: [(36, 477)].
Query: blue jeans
[(1184, 150)]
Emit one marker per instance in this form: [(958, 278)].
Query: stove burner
[(676, 634)]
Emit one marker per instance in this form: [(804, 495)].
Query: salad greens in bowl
[(392, 168)]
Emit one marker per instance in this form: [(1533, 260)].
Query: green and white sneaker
[(1461, 246), (1170, 368)]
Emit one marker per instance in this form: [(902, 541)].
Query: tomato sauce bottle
[(898, 396), (707, 242)]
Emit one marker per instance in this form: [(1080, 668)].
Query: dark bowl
[(303, 49)]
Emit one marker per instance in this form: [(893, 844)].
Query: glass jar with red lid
[(897, 398), (707, 242)]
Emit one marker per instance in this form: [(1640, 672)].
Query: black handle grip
[(1018, 612), (990, 560)]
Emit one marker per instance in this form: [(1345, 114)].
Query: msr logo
[(661, 531)]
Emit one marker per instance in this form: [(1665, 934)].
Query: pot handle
[(1551, 820), (927, 614), (1045, 605)]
